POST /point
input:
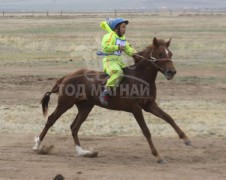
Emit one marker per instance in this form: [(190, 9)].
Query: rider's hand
[(121, 48)]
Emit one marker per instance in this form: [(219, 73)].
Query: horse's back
[(82, 74)]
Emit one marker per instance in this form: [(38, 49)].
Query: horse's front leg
[(140, 120), (157, 111)]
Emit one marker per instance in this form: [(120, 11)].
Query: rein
[(153, 60)]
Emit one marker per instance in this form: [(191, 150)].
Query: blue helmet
[(114, 22)]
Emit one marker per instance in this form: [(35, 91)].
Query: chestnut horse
[(83, 87)]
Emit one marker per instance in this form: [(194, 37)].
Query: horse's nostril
[(174, 72), (168, 71), (171, 72)]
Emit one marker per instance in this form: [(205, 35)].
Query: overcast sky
[(76, 5)]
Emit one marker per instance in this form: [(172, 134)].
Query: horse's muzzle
[(169, 73)]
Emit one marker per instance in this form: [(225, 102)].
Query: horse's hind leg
[(83, 111), (60, 109), (156, 110)]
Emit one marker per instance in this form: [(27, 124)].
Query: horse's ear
[(155, 42), (168, 43)]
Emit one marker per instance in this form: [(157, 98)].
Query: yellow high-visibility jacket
[(112, 62), (111, 41)]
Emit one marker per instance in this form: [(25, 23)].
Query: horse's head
[(159, 57)]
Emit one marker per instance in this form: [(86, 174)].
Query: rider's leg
[(114, 69)]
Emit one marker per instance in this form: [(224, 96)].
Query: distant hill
[(105, 5)]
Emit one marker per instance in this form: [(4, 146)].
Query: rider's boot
[(104, 97)]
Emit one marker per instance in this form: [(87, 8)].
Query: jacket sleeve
[(129, 50), (105, 26), (108, 43)]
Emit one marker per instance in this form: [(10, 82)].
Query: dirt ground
[(123, 151), (119, 158)]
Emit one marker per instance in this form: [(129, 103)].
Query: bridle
[(153, 60)]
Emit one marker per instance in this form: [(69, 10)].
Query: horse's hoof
[(91, 154), (161, 161), (187, 143), (35, 148), (37, 144), (85, 153)]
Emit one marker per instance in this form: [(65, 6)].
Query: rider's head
[(119, 26)]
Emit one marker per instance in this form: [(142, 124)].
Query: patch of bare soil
[(119, 158)]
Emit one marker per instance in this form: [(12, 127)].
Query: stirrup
[(104, 97)]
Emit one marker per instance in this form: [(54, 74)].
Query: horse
[(83, 87)]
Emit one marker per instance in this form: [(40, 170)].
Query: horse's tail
[(46, 97), (45, 102)]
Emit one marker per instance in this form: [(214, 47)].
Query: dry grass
[(32, 50)]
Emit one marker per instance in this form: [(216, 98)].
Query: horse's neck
[(143, 70)]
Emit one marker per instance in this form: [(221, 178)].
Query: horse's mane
[(143, 53), (146, 51)]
